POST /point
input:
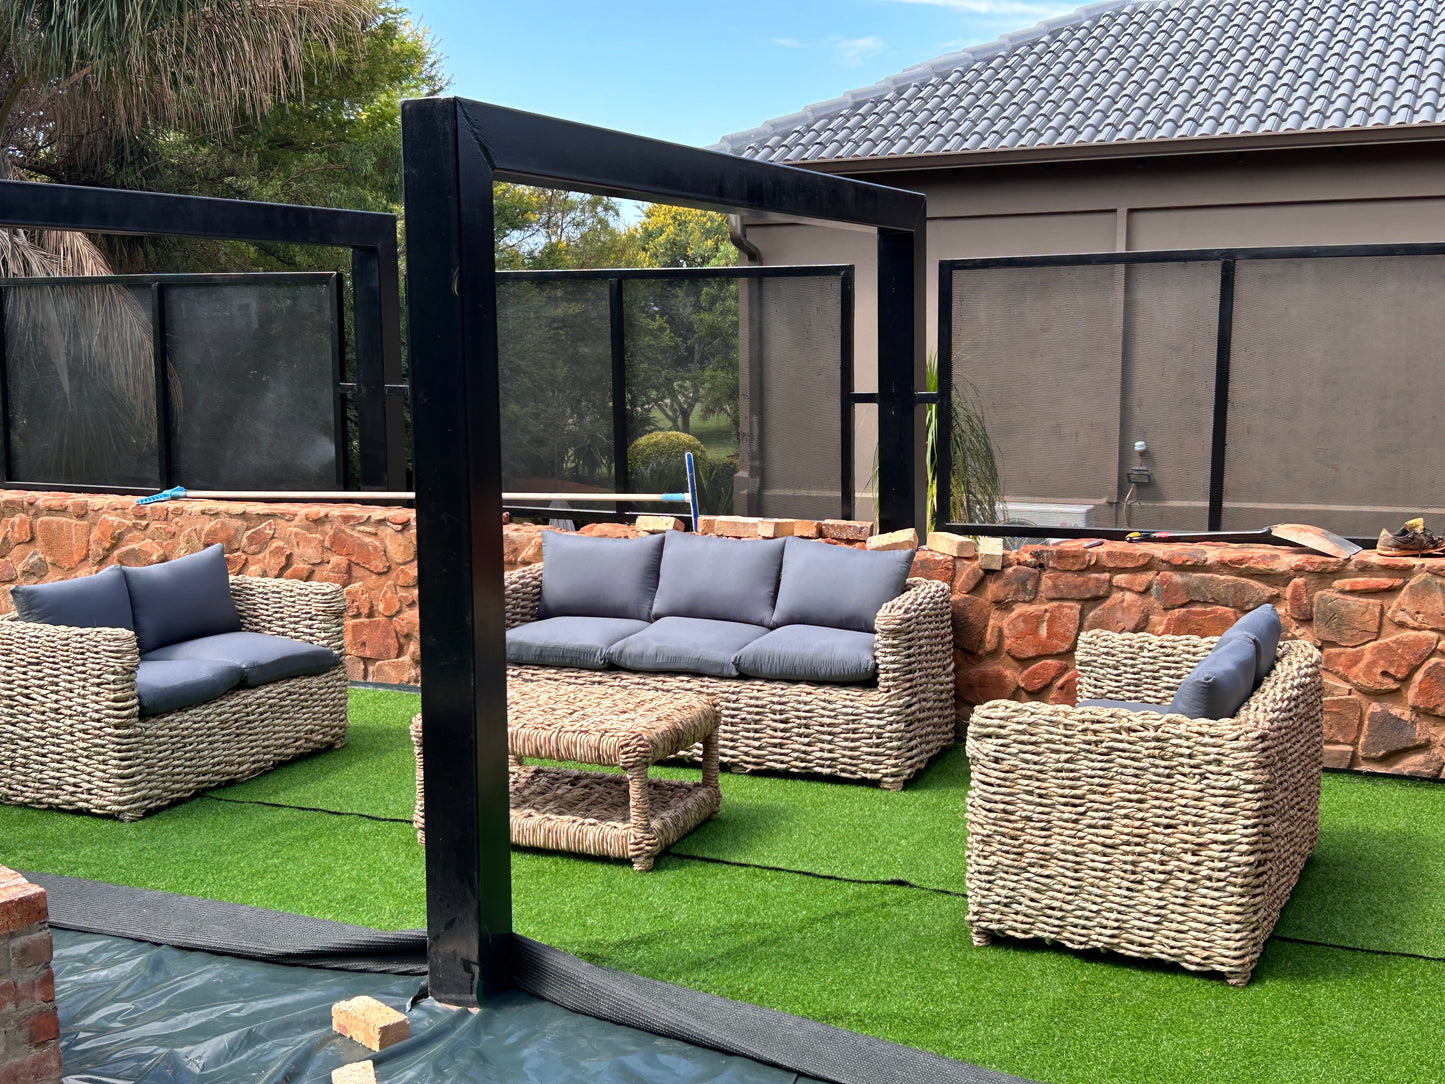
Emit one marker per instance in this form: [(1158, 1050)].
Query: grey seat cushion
[(687, 645), (1262, 624), (1220, 684), (1126, 705), (100, 601), (813, 573), (182, 599), (810, 653), (171, 684), (598, 577), (568, 641), (263, 658), (718, 579)]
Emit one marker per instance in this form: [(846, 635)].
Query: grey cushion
[(568, 641), (814, 573), (1262, 624), (718, 579), (686, 644), (1221, 682), (1126, 705), (86, 602), (182, 599), (262, 658), (810, 653), (598, 577), (169, 685)]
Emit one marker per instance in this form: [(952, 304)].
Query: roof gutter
[(739, 238), (1143, 148)]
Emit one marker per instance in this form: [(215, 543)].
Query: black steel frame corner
[(375, 277), (1227, 259), (453, 152), (615, 278)]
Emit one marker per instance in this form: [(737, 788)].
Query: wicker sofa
[(882, 732), (1147, 834), (71, 733)]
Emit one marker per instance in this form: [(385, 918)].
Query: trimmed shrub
[(662, 450)]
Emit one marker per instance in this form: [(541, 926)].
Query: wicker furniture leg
[(642, 843)]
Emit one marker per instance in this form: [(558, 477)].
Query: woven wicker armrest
[(914, 644), (314, 613), (524, 595), (66, 676), (1136, 666)]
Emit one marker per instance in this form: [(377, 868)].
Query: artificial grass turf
[(887, 960)]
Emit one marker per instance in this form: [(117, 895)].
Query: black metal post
[(1219, 434), (451, 281), (5, 475), (900, 324), (943, 416), (376, 307), (162, 386), (845, 384), (615, 317)]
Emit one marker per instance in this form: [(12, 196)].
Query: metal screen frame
[(375, 279), (1227, 258), (616, 277), (453, 150), (157, 285)]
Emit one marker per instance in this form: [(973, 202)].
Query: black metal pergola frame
[(453, 152), (375, 278)]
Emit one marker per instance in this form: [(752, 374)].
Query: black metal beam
[(1219, 429), (1197, 255), (534, 149), (900, 341), (617, 339), (747, 271), (943, 417), (846, 412), (455, 398)]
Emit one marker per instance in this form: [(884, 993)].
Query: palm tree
[(78, 80)]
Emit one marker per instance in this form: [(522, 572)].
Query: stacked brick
[(29, 1028)]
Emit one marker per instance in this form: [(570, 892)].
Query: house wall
[(1323, 196)]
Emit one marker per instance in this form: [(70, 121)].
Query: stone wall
[(29, 1028), (1377, 619)]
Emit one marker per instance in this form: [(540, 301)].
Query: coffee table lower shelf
[(563, 809)]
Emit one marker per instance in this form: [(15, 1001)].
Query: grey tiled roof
[(1141, 69)]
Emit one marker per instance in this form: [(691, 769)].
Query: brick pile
[(29, 1028)]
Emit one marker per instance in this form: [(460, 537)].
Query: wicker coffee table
[(601, 813)]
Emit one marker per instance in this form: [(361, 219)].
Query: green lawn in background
[(725, 912)]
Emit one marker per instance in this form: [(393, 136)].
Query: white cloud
[(854, 50), (999, 7), (789, 43)]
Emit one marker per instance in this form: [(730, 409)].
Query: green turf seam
[(1356, 948), (310, 809), (892, 882)]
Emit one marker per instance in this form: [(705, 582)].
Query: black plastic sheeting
[(136, 1013), (269, 1009)]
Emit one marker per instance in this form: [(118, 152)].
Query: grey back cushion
[(568, 641), (1263, 624), (182, 599), (599, 577), (809, 653), (689, 645), (838, 586), (718, 579), (1220, 684), (86, 602)]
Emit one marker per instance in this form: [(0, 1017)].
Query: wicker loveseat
[(883, 731), (71, 732), (1148, 834)]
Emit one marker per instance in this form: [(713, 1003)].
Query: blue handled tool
[(692, 489)]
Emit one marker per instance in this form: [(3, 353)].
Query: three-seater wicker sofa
[(881, 728)]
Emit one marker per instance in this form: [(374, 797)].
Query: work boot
[(1412, 540)]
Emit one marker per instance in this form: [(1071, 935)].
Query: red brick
[(63, 542), (1040, 674), (41, 1067), (612, 530), (980, 684), (31, 950), (366, 552), (1069, 558), (1123, 556), (928, 565), (1198, 621), (41, 1027), (21, 905), (1184, 556), (1017, 584), (966, 575), (847, 530), (1076, 585), (1134, 581), (1041, 630), (372, 638), (394, 672), (369, 1022), (1381, 666), (1339, 756), (1122, 613), (1343, 715), (1369, 583)]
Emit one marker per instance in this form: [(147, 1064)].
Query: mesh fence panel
[(80, 385), (1334, 404), (253, 385), (790, 396), (1036, 355), (556, 376)]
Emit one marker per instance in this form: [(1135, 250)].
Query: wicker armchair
[(1151, 835), (72, 737), (883, 733)]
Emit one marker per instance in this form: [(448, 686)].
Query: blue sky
[(691, 71)]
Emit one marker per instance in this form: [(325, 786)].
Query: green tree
[(549, 229)]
